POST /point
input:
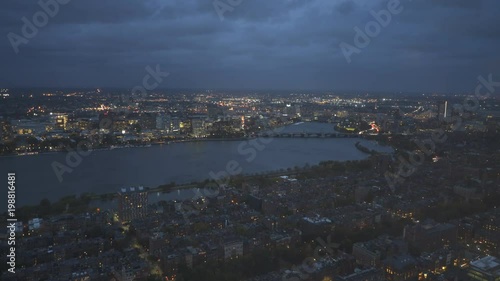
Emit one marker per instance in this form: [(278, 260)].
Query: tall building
[(160, 125), (132, 203), (5, 130), (198, 125), (400, 268), (60, 121), (164, 122), (297, 110), (147, 121), (430, 235), (365, 255), (488, 235), (370, 253), (443, 110), (175, 125)]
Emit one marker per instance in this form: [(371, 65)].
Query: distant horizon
[(243, 90)]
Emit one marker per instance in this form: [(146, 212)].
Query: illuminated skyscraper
[(60, 120), (198, 125), (5, 130), (132, 203), (164, 122), (443, 110)]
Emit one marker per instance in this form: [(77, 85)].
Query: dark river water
[(106, 171)]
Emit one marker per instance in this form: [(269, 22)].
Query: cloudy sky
[(431, 45)]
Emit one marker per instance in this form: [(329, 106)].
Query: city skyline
[(250, 140)]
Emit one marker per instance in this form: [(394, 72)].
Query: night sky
[(430, 46)]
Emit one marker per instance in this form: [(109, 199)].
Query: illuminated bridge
[(307, 135)]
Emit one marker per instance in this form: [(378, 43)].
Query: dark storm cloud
[(430, 46), (345, 7)]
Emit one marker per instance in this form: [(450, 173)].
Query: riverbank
[(74, 204), (193, 140), (64, 143), (365, 149), (172, 187), (116, 146), (185, 162), (210, 139)]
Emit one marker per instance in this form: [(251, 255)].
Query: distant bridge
[(307, 135)]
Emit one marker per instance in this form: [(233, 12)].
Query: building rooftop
[(317, 220), (488, 263), (132, 189), (401, 262)]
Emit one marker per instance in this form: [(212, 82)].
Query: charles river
[(106, 171)]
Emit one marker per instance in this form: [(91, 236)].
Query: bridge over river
[(307, 135)]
